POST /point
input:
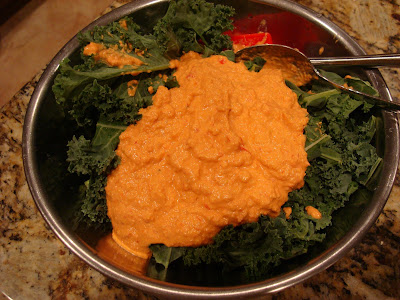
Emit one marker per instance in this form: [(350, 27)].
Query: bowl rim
[(166, 289)]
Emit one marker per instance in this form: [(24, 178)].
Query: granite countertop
[(34, 264)]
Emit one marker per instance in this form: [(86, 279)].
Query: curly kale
[(194, 25)]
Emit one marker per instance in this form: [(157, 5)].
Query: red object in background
[(252, 39), (283, 27)]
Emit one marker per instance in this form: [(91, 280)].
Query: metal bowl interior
[(46, 133)]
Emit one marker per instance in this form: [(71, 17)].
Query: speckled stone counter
[(34, 264)]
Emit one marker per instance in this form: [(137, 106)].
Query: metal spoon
[(300, 70)]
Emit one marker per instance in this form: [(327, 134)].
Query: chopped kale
[(194, 25)]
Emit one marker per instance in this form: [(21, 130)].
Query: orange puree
[(313, 212), (112, 57), (109, 250), (223, 148)]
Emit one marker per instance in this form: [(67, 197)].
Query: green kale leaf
[(91, 209), (94, 158), (194, 25)]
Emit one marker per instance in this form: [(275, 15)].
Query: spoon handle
[(379, 60), (380, 102)]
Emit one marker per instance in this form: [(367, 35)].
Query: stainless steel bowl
[(46, 133)]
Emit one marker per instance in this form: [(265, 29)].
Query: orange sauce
[(287, 211), (110, 56), (132, 87), (123, 24), (313, 212), (223, 148), (109, 250)]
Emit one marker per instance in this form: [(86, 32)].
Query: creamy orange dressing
[(123, 24), (313, 212), (110, 56), (223, 148), (132, 87), (287, 211), (109, 250)]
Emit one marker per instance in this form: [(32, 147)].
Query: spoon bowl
[(300, 70)]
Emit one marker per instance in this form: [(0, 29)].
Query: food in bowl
[(206, 155), (122, 71)]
